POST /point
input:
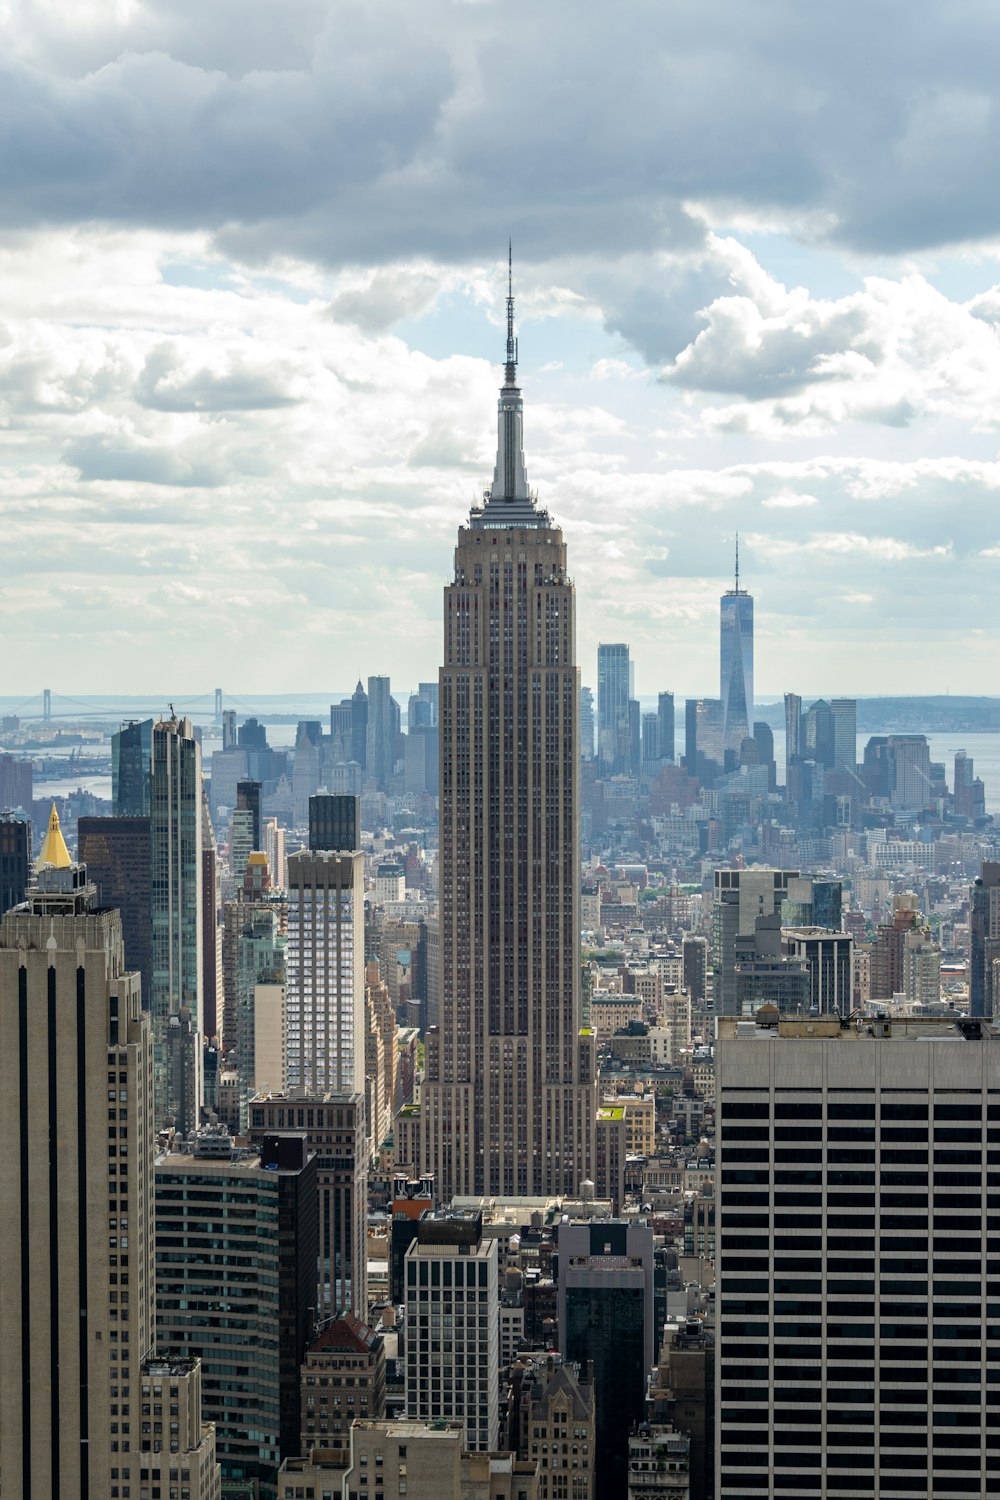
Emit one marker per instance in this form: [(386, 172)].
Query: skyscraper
[(741, 898), (855, 1343), (116, 854), (793, 730), (248, 798), (586, 723), (736, 664), (665, 712), (381, 736), (15, 859), (703, 753), (76, 1237), (334, 822), (984, 938), (614, 678), (359, 726), (452, 1325), (247, 1309), (211, 929), (605, 1301), (131, 766), (844, 712), (509, 1100), (175, 845), (325, 988)]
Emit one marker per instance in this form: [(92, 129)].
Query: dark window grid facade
[(932, 1359)]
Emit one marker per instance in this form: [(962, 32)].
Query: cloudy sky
[(251, 281)]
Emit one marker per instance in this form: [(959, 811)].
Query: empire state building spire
[(508, 501), (509, 1104)]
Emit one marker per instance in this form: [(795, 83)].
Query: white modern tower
[(736, 663)]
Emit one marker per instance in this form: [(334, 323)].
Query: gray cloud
[(357, 133)]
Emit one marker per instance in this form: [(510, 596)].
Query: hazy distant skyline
[(250, 333)]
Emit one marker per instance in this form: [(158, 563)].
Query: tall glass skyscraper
[(131, 765), (175, 847), (509, 1101), (614, 692), (736, 674)]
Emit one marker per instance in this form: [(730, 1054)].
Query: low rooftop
[(858, 1027)]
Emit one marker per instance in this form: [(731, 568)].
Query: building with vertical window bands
[(325, 985), (335, 822), (614, 694), (509, 1100), (857, 1257), (175, 848), (76, 1240), (736, 666)]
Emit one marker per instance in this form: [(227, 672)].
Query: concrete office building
[(407, 1460), (325, 994), (175, 845), (829, 959), (509, 1099), (76, 1242), (740, 898), (855, 1350), (451, 1297)]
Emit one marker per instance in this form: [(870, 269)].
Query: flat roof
[(859, 1027)]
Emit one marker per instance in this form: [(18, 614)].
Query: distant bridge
[(48, 706)]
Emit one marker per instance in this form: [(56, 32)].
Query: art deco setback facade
[(858, 1348), (510, 1096), (78, 1416)]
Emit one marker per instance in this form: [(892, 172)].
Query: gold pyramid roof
[(53, 854)]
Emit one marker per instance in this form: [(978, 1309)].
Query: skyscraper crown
[(509, 503)]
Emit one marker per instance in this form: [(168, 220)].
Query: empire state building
[(510, 1098)]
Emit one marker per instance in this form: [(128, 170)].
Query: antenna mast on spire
[(737, 562), (510, 375)]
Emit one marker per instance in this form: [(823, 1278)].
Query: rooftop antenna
[(737, 562), (511, 371)]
